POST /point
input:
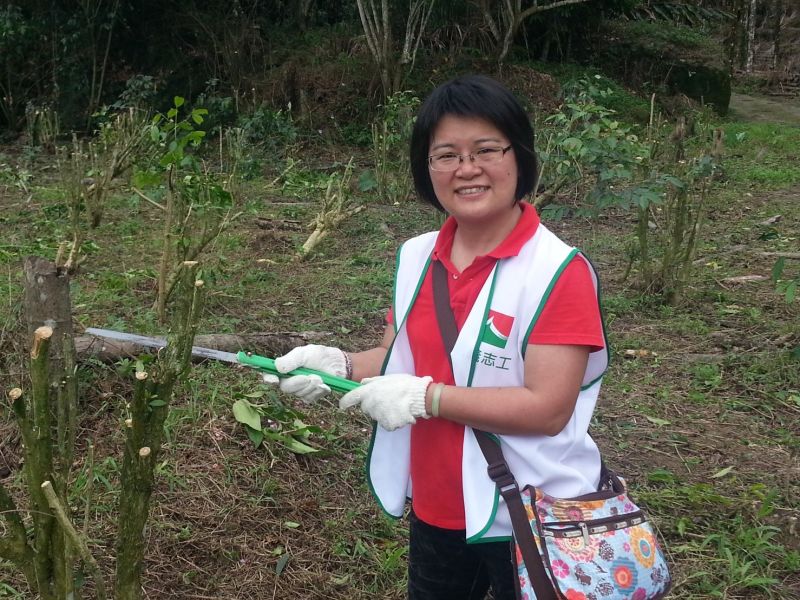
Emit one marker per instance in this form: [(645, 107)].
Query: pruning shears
[(247, 359)]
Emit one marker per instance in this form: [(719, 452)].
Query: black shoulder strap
[(497, 467)]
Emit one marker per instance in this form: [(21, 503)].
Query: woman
[(526, 365)]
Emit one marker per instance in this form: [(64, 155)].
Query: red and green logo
[(497, 330)]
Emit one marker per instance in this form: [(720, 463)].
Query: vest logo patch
[(497, 330)]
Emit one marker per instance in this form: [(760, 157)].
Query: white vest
[(564, 465)]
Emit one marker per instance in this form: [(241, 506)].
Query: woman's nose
[(468, 166)]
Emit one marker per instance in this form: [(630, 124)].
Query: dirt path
[(764, 109)]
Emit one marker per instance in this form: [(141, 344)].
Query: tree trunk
[(751, 35), (48, 306), (47, 303), (776, 35)]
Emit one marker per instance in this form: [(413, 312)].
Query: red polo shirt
[(570, 316)]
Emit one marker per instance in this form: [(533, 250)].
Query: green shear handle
[(262, 363)]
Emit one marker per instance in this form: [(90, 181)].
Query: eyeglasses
[(450, 161)]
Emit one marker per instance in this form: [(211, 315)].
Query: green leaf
[(245, 413), (661, 476), (281, 564), (256, 435), (172, 113), (777, 268), (675, 182), (297, 446), (791, 291), (657, 421), (145, 179), (157, 403), (722, 472), (178, 101), (291, 524), (367, 181), (197, 115)]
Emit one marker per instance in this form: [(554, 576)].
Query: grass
[(704, 424), (763, 156)]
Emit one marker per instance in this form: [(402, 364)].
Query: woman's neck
[(477, 239)]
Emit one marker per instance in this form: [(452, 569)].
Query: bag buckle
[(499, 473)]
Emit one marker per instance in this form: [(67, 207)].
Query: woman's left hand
[(392, 400)]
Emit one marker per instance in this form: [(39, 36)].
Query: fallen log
[(792, 255), (265, 344)]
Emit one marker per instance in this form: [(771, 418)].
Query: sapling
[(87, 170), (144, 431), (198, 204)]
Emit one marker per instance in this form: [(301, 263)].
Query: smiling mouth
[(471, 190)]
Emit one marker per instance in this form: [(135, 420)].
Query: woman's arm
[(544, 405), (369, 362)]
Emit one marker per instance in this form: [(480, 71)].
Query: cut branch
[(75, 538)]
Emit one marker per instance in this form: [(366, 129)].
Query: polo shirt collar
[(523, 231)]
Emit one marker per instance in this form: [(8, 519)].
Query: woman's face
[(475, 191)]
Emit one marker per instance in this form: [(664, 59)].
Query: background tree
[(503, 19), (377, 23)]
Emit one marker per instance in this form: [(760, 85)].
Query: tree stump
[(47, 303)]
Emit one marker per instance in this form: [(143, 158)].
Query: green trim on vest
[(369, 479), (602, 324), (478, 537), (394, 294), (545, 296), (397, 327), (476, 350), (397, 323), (487, 540)]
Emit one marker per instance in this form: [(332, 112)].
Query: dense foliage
[(77, 57)]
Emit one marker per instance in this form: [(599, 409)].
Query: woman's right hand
[(309, 388)]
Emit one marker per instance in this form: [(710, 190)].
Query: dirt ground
[(698, 410), (765, 109)]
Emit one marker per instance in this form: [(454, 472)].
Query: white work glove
[(309, 388), (391, 400)]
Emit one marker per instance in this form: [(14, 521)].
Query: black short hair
[(475, 96)]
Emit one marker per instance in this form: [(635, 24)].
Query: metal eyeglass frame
[(472, 158)]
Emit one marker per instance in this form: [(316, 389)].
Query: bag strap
[(497, 467), (444, 312)]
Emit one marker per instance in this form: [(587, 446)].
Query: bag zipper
[(569, 529)]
